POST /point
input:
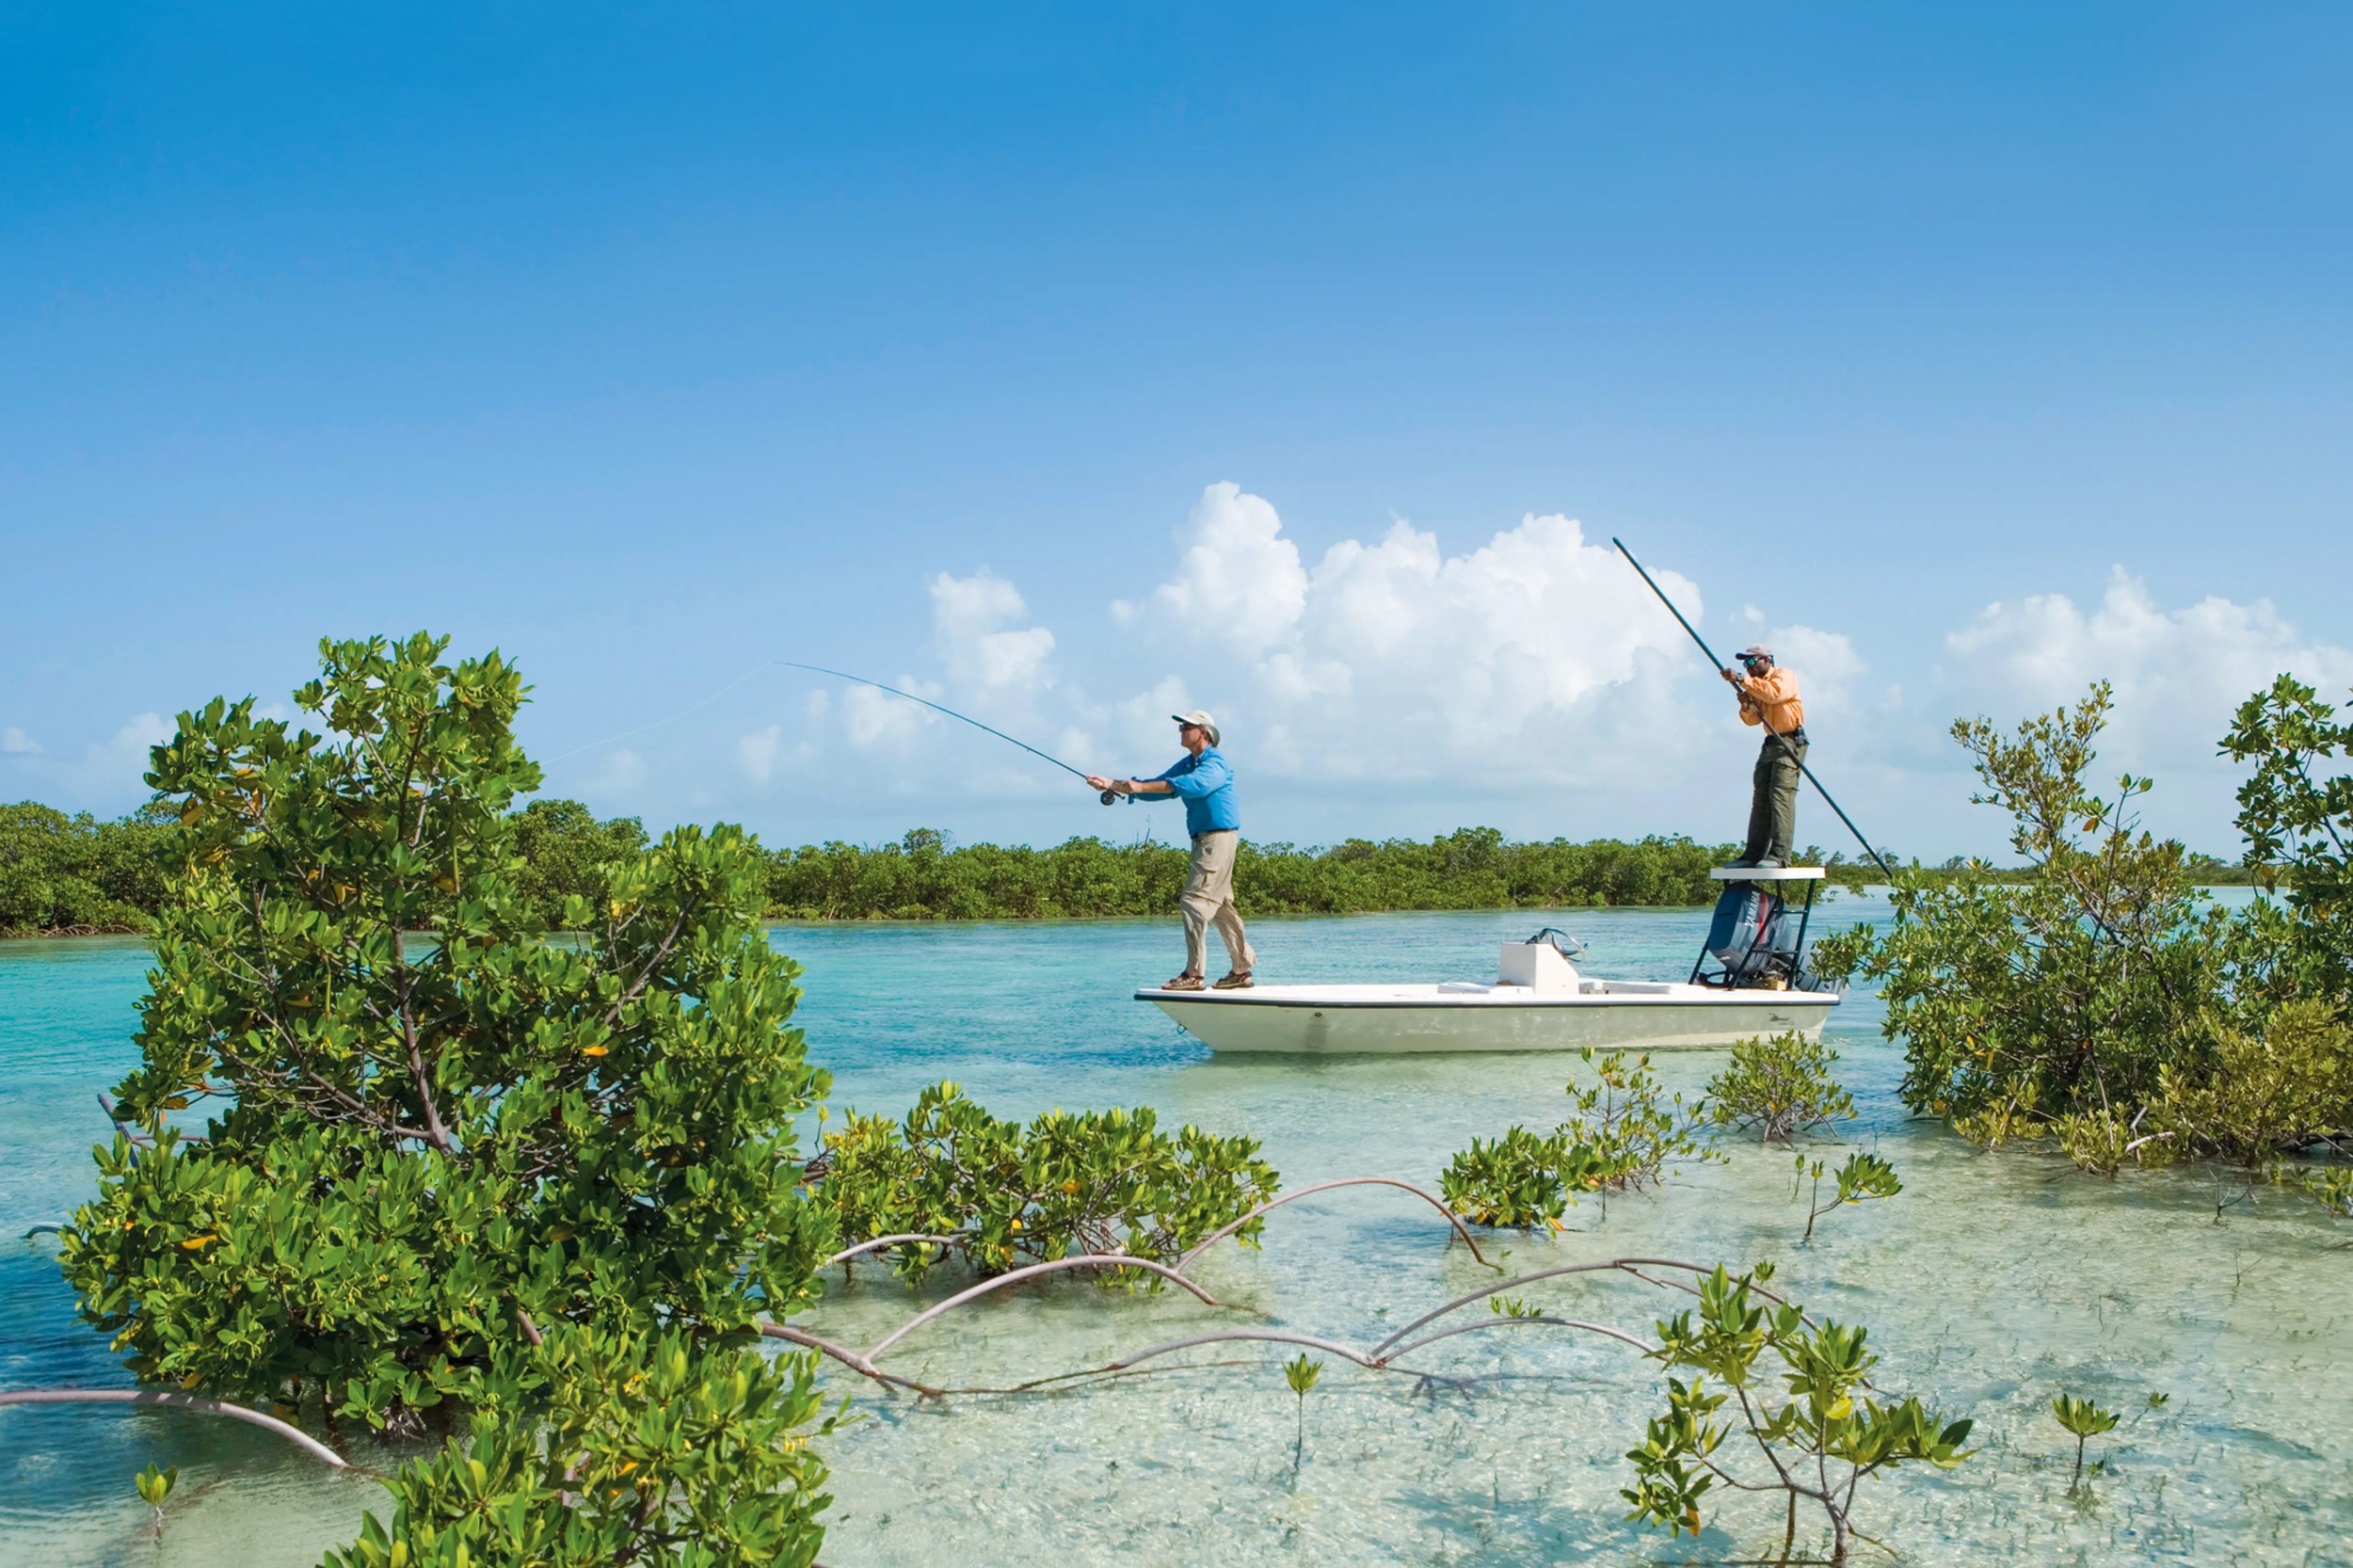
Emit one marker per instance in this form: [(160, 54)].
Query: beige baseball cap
[(1200, 720)]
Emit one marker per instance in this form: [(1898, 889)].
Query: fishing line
[(631, 734), (1719, 664), (966, 718)]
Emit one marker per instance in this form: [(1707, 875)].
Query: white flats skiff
[(1645, 1015), (1538, 1003)]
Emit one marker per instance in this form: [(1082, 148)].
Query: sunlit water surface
[(1992, 1283)]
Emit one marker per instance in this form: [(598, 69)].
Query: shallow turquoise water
[(1992, 1283)]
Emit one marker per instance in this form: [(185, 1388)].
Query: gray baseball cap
[(1199, 720)]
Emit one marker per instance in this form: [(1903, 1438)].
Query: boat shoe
[(1238, 981), (1183, 983)]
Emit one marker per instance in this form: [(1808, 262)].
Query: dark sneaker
[(1238, 981), (1183, 983), (1740, 865), (1770, 863)]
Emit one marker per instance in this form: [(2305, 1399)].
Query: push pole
[(1719, 665)]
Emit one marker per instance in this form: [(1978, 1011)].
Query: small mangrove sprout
[(1519, 1181), (1621, 1134), (1301, 1373), (1817, 1447), (2083, 1420), (1779, 1088), (2332, 1190), (155, 1486), (1624, 1117), (1863, 1177), (953, 1178)]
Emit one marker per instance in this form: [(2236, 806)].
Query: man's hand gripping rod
[(1717, 665)]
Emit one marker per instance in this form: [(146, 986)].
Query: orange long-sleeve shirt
[(1771, 699)]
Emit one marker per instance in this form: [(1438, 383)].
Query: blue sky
[(1973, 354)]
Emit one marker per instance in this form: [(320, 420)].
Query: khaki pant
[(1208, 899), (1773, 801)]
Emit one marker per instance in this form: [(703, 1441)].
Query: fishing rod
[(1720, 664), (1107, 796)]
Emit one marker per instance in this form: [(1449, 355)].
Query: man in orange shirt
[(1768, 697)]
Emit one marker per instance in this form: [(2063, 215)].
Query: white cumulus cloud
[(620, 772), (757, 753), (1395, 657), (15, 742), (1828, 666), (2178, 673), (122, 755), (980, 651), (1238, 580), (873, 718)]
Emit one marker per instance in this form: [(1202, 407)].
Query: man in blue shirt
[(1205, 784)]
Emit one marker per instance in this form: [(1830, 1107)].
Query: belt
[(1795, 737)]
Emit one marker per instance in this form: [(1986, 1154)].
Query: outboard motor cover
[(1751, 932)]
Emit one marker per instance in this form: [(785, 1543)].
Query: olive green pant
[(1208, 899), (1773, 804)]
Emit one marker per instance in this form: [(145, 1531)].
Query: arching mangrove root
[(1086, 1260), (169, 1400), (1213, 1238), (845, 1355), (881, 1242), (1380, 1358)]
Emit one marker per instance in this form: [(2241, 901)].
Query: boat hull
[(1394, 1019)]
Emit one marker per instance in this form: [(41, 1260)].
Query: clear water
[(1992, 1283)]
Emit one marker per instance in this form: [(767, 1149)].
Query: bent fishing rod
[(1106, 796), (1720, 665)]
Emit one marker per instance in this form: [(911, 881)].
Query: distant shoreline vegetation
[(78, 875)]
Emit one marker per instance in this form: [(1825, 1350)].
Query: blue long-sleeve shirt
[(1205, 785)]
